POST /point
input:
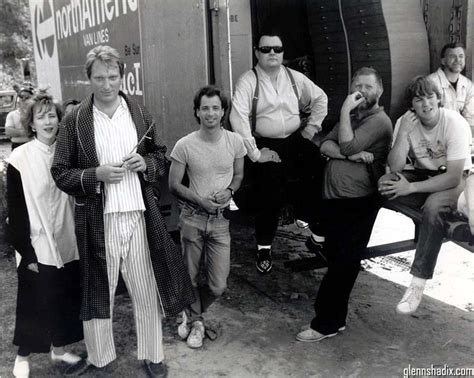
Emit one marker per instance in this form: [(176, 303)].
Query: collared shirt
[(50, 211), (115, 138), (348, 179), (460, 99), (277, 109)]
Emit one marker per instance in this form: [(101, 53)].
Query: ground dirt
[(257, 320)]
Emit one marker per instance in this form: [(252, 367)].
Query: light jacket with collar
[(460, 99)]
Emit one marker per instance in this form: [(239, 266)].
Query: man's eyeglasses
[(267, 49), (24, 97)]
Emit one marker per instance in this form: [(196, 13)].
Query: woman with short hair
[(42, 232)]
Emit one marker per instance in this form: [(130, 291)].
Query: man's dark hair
[(452, 45), (421, 86), (365, 71), (209, 91), (269, 33)]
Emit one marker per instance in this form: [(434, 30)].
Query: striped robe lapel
[(85, 131)]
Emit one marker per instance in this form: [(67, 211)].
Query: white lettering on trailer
[(44, 30), (45, 45), (80, 15), (131, 81), (96, 38)]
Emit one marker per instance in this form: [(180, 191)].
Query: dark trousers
[(349, 223), (432, 228), (296, 180), (48, 305)]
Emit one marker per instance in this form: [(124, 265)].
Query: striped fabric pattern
[(73, 170), (115, 138), (127, 249)]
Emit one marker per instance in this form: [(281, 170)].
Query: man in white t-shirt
[(14, 129), (437, 141), (213, 159)]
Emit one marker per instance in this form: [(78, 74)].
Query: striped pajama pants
[(126, 248)]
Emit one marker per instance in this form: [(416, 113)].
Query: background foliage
[(16, 46)]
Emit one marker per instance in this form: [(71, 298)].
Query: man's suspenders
[(253, 113)]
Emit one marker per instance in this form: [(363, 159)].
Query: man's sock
[(417, 281), (259, 247)]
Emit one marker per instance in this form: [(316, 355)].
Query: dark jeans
[(431, 229), (348, 224), (297, 180)]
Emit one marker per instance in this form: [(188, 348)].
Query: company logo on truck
[(79, 16), (44, 27)]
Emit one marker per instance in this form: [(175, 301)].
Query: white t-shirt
[(13, 121), (449, 140), (210, 166)]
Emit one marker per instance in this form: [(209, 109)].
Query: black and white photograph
[(237, 188)]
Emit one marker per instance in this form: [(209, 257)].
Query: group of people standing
[(82, 206)]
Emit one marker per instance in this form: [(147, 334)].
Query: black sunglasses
[(267, 49), (23, 97)]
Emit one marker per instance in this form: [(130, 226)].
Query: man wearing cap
[(13, 127)]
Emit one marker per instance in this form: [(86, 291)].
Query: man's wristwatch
[(231, 191)]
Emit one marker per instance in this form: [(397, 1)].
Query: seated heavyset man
[(278, 146), (213, 159), (457, 91), (437, 141), (357, 147)]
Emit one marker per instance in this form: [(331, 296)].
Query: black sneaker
[(314, 246), (460, 231), (264, 260), (158, 370)]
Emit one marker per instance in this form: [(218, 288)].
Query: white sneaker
[(69, 358), (301, 224), (311, 336), (196, 336), (183, 328), (308, 326), (21, 368), (411, 300)]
